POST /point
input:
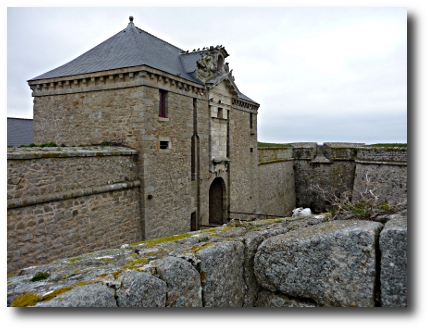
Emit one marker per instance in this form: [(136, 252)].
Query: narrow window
[(250, 120), (220, 62), (164, 144), (194, 115), (251, 149), (219, 114), (193, 221), (162, 109), (193, 157)]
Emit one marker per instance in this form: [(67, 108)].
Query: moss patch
[(75, 259), (40, 276)]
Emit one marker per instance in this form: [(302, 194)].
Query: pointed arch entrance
[(217, 204)]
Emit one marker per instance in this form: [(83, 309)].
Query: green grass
[(273, 145), (388, 145), (43, 145)]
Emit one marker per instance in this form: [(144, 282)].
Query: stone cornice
[(114, 79), (244, 105)]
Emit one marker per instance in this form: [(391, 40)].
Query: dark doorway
[(193, 221), (216, 202)]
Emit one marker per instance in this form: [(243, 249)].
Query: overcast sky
[(319, 74)]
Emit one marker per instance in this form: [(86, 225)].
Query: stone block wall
[(330, 166), (63, 201), (350, 167), (169, 196), (276, 181), (288, 262), (122, 106), (244, 165), (384, 171)]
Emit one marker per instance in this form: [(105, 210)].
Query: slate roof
[(129, 47), (19, 131), (132, 47)]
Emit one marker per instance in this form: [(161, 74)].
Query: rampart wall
[(276, 181), (288, 262), (336, 168), (385, 171), (64, 201)]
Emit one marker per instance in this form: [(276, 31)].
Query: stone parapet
[(37, 172), (288, 262), (304, 150), (340, 151), (62, 201), (382, 155), (269, 155)]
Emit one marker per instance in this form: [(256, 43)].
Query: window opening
[(220, 62), (164, 144), (162, 109)]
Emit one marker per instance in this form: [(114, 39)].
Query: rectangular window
[(250, 120), (164, 144), (162, 109), (219, 114)]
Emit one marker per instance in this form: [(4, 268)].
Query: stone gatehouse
[(194, 131)]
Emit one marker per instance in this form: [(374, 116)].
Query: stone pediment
[(228, 80)]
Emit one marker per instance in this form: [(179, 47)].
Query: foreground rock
[(183, 282), (271, 299), (393, 243), (289, 262), (332, 263)]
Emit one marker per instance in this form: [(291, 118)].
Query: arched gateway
[(217, 202)]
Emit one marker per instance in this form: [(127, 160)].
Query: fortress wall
[(330, 166), (276, 184), (63, 201), (384, 170)]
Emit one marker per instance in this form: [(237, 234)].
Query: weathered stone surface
[(93, 295), (140, 289), (252, 240), (183, 282), (68, 201), (307, 261), (221, 272), (332, 263), (393, 243), (271, 299)]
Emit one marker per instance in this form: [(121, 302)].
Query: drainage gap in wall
[(377, 289)]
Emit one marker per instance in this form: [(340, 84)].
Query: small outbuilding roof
[(19, 131)]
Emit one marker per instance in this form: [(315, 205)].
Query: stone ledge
[(276, 161), (65, 152), (75, 193)]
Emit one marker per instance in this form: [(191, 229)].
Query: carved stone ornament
[(206, 68)]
